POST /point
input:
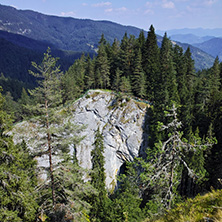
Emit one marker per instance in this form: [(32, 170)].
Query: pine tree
[(125, 85), (48, 96), (165, 163), (53, 127), (99, 202), (73, 81), (141, 40), (179, 63), (127, 55), (17, 176), (151, 63), (117, 80), (127, 201), (102, 66), (114, 60), (138, 77), (167, 78), (190, 80), (89, 80)]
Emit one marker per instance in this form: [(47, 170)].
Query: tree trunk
[(50, 155)]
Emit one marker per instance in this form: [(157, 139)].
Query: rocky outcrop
[(123, 126)]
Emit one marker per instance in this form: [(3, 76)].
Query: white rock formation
[(122, 124)]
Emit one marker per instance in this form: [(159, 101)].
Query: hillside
[(17, 53), (212, 47), (190, 38), (78, 35), (64, 33), (201, 208)]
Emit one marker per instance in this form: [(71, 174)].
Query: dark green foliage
[(127, 200), (135, 67), (138, 77), (89, 78), (151, 63), (117, 80), (167, 80), (164, 166), (102, 66), (99, 202), (17, 176)]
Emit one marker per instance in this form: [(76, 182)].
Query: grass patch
[(202, 208)]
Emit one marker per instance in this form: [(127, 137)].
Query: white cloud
[(116, 10), (209, 2), (149, 12), (149, 4), (123, 9), (108, 10), (168, 4), (84, 4), (102, 4), (68, 13)]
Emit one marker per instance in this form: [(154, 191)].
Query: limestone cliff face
[(122, 123)]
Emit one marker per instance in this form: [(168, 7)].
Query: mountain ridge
[(70, 34)]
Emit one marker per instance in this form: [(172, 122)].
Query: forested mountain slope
[(72, 34), (64, 33), (178, 125)]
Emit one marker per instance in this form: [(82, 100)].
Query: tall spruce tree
[(89, 78), (102, 66), (190, 79), (99, 202), (167, 78), (151, 63), (138, 77), (126, 55), (114, 59), (53, 127)]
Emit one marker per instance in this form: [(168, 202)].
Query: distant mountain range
[(25, 35), (212, 47), (208, 40), (195, 31)]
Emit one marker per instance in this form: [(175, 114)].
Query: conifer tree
[(179, 64), (125, 85), (151, 63), (99, 202), (127, 200), (102, 66), (53, 126), (126, 55), (117, 80), (89, 80), (114, 60), (138, 77), (165, 163), (167, 78), (141, 41), (73, 81), (17, 176), (190, 80)]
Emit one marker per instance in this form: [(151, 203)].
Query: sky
[(163, 14)]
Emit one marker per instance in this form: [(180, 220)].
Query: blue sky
[(163, 14)]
